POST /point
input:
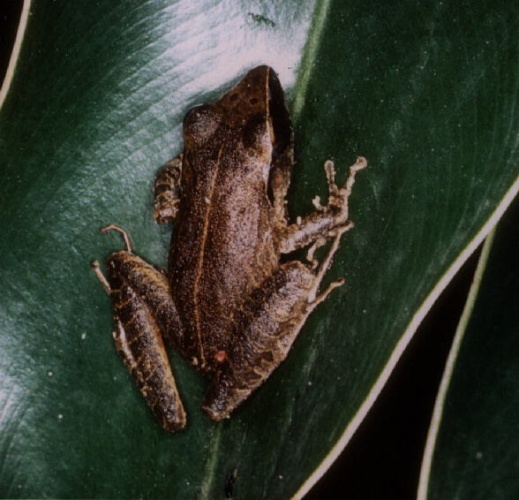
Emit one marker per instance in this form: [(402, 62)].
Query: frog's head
[(254, 109)]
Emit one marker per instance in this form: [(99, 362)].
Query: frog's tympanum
[(231, 301)]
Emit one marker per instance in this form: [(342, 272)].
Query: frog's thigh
[(142, 308), (266, 331)]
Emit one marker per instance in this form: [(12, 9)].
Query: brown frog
[(226, 303)]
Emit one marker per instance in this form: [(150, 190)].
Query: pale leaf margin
[(20, 33), (443, 390), (400, 347)]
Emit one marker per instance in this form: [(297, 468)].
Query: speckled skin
[(226, 304)]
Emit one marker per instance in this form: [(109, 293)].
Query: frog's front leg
[(143, 309), (266, 328), (322, 225), (167, 191)]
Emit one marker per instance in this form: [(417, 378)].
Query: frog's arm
[(322, 225), (167, 191)]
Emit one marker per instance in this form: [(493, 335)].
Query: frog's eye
[(199, 124), (253, 132)]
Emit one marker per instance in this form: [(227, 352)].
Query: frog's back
[(222, 249), (223, 245)]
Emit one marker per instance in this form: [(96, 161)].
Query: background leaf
[(95, 108), (475, 452)]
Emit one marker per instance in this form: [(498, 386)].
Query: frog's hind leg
[(143, 310), (266, 328)]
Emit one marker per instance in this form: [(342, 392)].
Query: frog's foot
[(95, 264), (338, 197), (334, 233), (119, 229), (313, 298), (100, 276)]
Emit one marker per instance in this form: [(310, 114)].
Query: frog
[(233, 298)]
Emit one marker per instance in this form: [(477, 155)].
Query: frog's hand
[(167, 191), (143, 309), (322, 224), (266, 329)]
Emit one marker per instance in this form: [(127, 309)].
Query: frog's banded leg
[(167, 191), (321, 225), (266, 328), (143, 310)]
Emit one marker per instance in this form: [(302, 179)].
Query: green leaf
[(472, 447), (426, 92)]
